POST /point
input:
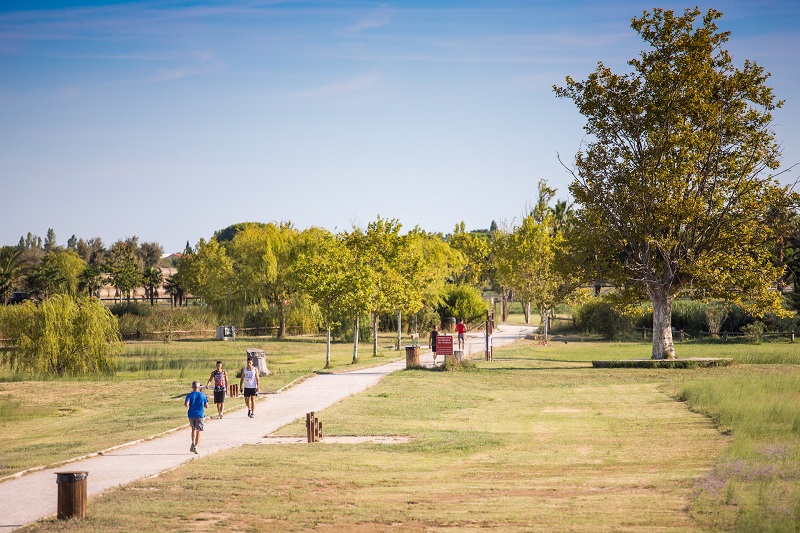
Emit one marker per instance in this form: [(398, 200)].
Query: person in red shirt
[(461, 329)]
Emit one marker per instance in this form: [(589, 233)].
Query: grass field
[(536, 440)]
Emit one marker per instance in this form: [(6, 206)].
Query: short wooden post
[(791, 337), (313, 427)]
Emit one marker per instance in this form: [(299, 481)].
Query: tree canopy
[(674, 185)]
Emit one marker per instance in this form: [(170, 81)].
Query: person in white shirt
[(250, 381)]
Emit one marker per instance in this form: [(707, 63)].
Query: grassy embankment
[(536, 440)]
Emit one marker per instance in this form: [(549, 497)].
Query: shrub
[(463, 301), (600, 316), (754, 331)]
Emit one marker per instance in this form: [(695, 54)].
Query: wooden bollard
[(233, 390), (313, 427)]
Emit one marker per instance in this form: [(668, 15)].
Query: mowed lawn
[(519, 444)]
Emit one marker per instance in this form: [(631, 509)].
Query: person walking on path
[(220, 379), (462, 330), (250, 381), (432, 341), (197, 402)]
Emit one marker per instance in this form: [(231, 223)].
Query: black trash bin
[(72, 494)]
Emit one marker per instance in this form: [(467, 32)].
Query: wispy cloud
[(378, 18)]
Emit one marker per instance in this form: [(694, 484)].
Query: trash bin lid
[(70, 477)]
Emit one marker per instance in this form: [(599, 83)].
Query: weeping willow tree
[(61, 336)]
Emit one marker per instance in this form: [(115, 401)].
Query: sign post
[(489, 331)]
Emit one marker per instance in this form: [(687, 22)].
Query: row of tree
[(371, 271), (43, 269)]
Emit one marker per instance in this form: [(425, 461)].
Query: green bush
[(463, 301), (600, 316), (753, 332)]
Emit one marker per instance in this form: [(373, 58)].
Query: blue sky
[(172, 119)]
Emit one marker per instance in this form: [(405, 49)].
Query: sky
[(172, 119)]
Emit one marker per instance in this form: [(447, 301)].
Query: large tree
[(674, 185)]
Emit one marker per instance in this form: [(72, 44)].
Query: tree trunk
[(281, 319), (355, 340), (374, 334), (526, 307), (663, 347), (399, 328), (328, 348)]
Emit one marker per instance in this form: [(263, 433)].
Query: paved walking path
[(32, 497)]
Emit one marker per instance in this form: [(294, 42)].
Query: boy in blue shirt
[(197, 402)]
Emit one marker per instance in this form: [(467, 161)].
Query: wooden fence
[(681, 336)]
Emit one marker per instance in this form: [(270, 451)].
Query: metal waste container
[(73, 494)]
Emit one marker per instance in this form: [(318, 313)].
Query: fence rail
[(724, 335)]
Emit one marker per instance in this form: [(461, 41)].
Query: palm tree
[(91, 280), (152, 280), (11, 268), (174, 288), (562, 216)]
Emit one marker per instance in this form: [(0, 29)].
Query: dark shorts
[(250, 392), (219, 396), (196, 423), (461, 336)]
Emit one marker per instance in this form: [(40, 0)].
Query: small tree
[(152, 278), (61, 336), (123, 268)]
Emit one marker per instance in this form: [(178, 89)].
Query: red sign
[(444, 345)]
